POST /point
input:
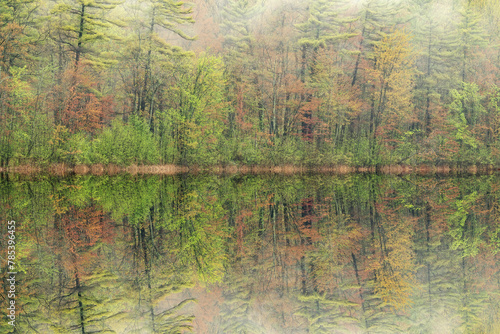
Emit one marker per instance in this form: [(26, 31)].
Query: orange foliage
[(83, 109), (82, 229), (12, 45)]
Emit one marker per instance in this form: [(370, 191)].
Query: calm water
[(253, 254)]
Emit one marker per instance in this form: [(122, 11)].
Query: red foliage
[(81, 229), (12, 45), (83, 109)]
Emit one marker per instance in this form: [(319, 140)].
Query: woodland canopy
[(249, 82)]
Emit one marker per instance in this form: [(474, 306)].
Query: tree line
[(313, 83)]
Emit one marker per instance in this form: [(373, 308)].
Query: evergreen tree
[(17, 33), (468, 36), (434, 79), (323, 31), (243, 87), (376, 18), (167, 15), (80, 24)]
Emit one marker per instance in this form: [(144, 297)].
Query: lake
[(309, 253)]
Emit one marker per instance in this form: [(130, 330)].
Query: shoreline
[(170, 169)]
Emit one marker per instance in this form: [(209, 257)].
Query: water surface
[(253, 254)]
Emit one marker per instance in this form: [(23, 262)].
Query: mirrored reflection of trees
[(255, 254)]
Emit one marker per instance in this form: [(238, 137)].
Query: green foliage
[(78, 148), (466, 109), (467, 102), (125, 197), (25, 133), (126, 144), (466, 235), (192, 132), (81, 24), (286, 150)]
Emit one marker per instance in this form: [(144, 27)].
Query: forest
[(249, 82)]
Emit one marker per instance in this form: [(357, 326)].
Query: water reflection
[(254, 254)]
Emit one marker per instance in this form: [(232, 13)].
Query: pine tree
[(16, 32), (323, 32), (241, 66), (433, 66), (376, 18), (81, 24), (468, 36), (166, 15)]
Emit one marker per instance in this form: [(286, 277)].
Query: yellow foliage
[(395, 272), (392, 78)]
